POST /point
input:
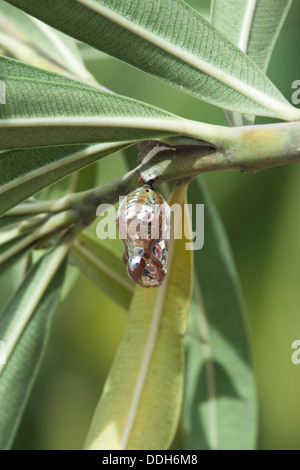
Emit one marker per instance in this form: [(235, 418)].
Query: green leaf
[(130, 156), (171, 41), (253, 26), (71, 277), (141, 402), (103, 268), (9, 221), (44, 109), (11, 250), (39, 168), (30, 40), (219, 404), (16, 239), (84, 179), (15, 250), (23, 228), (24, 328)]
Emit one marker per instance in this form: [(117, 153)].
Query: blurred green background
[(262, 217)]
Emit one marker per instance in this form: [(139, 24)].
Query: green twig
[(248, 149), (54, 225)]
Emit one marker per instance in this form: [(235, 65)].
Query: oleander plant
[(74, 137)]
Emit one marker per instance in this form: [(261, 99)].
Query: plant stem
[(58, 256), (24, 227), (55, 224), (248, 149)]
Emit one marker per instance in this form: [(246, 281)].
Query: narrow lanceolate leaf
[(16, 240), (103, 268), (28, 39), (219, 404), (253, 26), (24, 329), (44, 109), (23, 228), (141, 402), (11, 253), (7, 222), (169, 40), (25, 172), (72, 275)]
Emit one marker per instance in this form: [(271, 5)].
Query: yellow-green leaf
[(141, 402), (103, 268)]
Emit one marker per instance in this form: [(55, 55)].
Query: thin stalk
[(59, 255), (248, 149), (53, 225), (23, 228)]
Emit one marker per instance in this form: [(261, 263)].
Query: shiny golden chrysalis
[(143, 221)]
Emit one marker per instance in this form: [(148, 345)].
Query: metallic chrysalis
[(144, 221)]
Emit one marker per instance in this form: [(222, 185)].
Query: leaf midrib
[(73, 63), (152, 339), (99, 264), (248, 20), (209, 369), (76, 85), (89, 88), (243, 45), (256, 96), (25, 178), (40, 290)]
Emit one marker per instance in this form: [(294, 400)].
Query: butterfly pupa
[(144, 223)]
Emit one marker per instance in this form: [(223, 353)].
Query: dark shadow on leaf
[(224, 387)]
